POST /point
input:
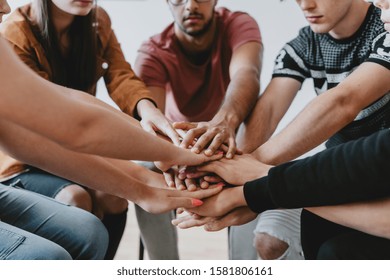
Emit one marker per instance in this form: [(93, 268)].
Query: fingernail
[(229, 155), (208, 152), (195, 150), (196, 202)]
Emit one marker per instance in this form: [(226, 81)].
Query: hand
[(208, 134), (236, 171), (237, 217), (185, 157), (153, 120), (174, 180), (221, 203), (156, 200)]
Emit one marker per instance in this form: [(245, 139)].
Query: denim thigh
[(39, 181), (18, 244), (80, 233)]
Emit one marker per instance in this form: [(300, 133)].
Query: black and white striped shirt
[(329, 61)]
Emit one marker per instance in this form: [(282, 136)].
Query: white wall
[(136, 20)]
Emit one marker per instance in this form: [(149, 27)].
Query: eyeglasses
[(182, 2)]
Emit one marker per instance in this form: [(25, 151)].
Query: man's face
[(193, 18), (384, 5), (4, 9), (324, 15)]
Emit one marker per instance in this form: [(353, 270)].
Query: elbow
[(348, 107), (76, 138)]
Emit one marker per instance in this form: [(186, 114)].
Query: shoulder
[(301, 42), (164, 41), (228, 17), (104, 24), (17, 29)]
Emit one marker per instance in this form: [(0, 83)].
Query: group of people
[(196, 85)]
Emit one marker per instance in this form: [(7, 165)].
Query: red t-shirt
[(195, 92)]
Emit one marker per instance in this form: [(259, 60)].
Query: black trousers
[(324, 240)]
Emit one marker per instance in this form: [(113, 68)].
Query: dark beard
[(201, 32)]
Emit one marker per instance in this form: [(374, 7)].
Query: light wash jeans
[(36, 227)]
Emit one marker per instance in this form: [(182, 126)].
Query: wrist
[(231, 119), (145, 105)]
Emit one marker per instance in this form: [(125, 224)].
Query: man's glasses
[(182, 2)]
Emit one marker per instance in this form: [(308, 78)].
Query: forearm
[(240, 97), (139, 172), (258, 128), (82, 96), (321, 119), (92, 171), (354, 171), (369, 217), (270, 108)]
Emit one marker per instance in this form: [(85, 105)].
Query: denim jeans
[(36, 227)]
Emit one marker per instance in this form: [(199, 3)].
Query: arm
[(327, 114), (98, 173), (370, 217), (267, 113), (129, 92), (355, 171), (81, 123), (241, 94)]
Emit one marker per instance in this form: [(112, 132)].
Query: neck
[(196, 44), (352, 21), (61, 20)]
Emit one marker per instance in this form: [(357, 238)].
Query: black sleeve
[(355, 171)]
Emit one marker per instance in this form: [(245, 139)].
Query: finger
[(179, 184), (190, 137), (190, 184), (184, 125), (203, 184), (189, 221), (211, 167), (232, 148), (169, 178), (224, 148), (212, 190), (172, 134), (217, 141), (195, 174), (148, 127), (179, 211), (212, 179), (203, 141)]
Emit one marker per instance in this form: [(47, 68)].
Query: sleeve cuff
[(257, 195)]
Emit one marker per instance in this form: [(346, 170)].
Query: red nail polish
[(196, 202)]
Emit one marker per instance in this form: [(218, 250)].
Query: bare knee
[(76, 196), (269, 247), (110, 204)]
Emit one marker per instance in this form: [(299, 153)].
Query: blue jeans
[(36, 227)]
